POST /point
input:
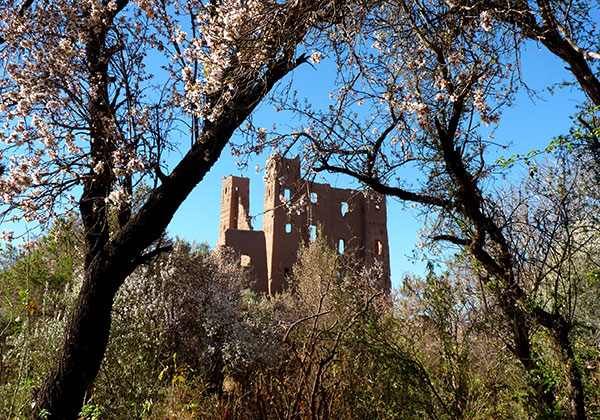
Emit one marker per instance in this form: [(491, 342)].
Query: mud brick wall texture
[(353, 222)]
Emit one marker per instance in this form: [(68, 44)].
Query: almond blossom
[(91, 95)]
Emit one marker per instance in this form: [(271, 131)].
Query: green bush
[(189, 340)]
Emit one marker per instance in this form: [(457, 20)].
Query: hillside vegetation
[(189, 340)]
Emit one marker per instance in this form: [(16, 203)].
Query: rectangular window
[(341, 246), (378, 247), (312, 233)]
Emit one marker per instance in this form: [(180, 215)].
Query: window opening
[(286, 272), (287, 194), (312, 233), (377, 206), (288, 228), (378, 247), (246, 260), (313, 197), (344, 208), (341, 246)]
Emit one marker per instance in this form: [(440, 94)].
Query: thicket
[(87, 120), (189, 340)]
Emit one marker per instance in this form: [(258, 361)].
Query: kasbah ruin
[(353, 222)]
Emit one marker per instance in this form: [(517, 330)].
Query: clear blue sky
[(528, 125)]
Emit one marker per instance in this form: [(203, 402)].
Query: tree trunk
[(522, 350), (80, 355), (86, 337), (575, 409)]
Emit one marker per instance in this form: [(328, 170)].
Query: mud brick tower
[(354, 223)]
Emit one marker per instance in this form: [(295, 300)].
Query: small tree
[(328, 303)]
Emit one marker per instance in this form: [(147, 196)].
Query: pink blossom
[(485, 20), (316, 57)]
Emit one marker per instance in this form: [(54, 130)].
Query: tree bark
[(575, 390), (79, 358)]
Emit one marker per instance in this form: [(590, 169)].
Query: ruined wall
[(354, 222), (235, 206), (235, 230), (251, 248)]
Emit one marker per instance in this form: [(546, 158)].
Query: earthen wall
[(354, 223)]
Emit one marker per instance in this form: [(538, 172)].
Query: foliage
[(39, 285), (189, 340), (85, 122)]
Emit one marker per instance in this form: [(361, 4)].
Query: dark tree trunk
[(79, 358), (575, 409), (521, 348), (107, 267), (470, 203)]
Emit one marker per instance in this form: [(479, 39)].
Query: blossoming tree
[(85, 122)]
